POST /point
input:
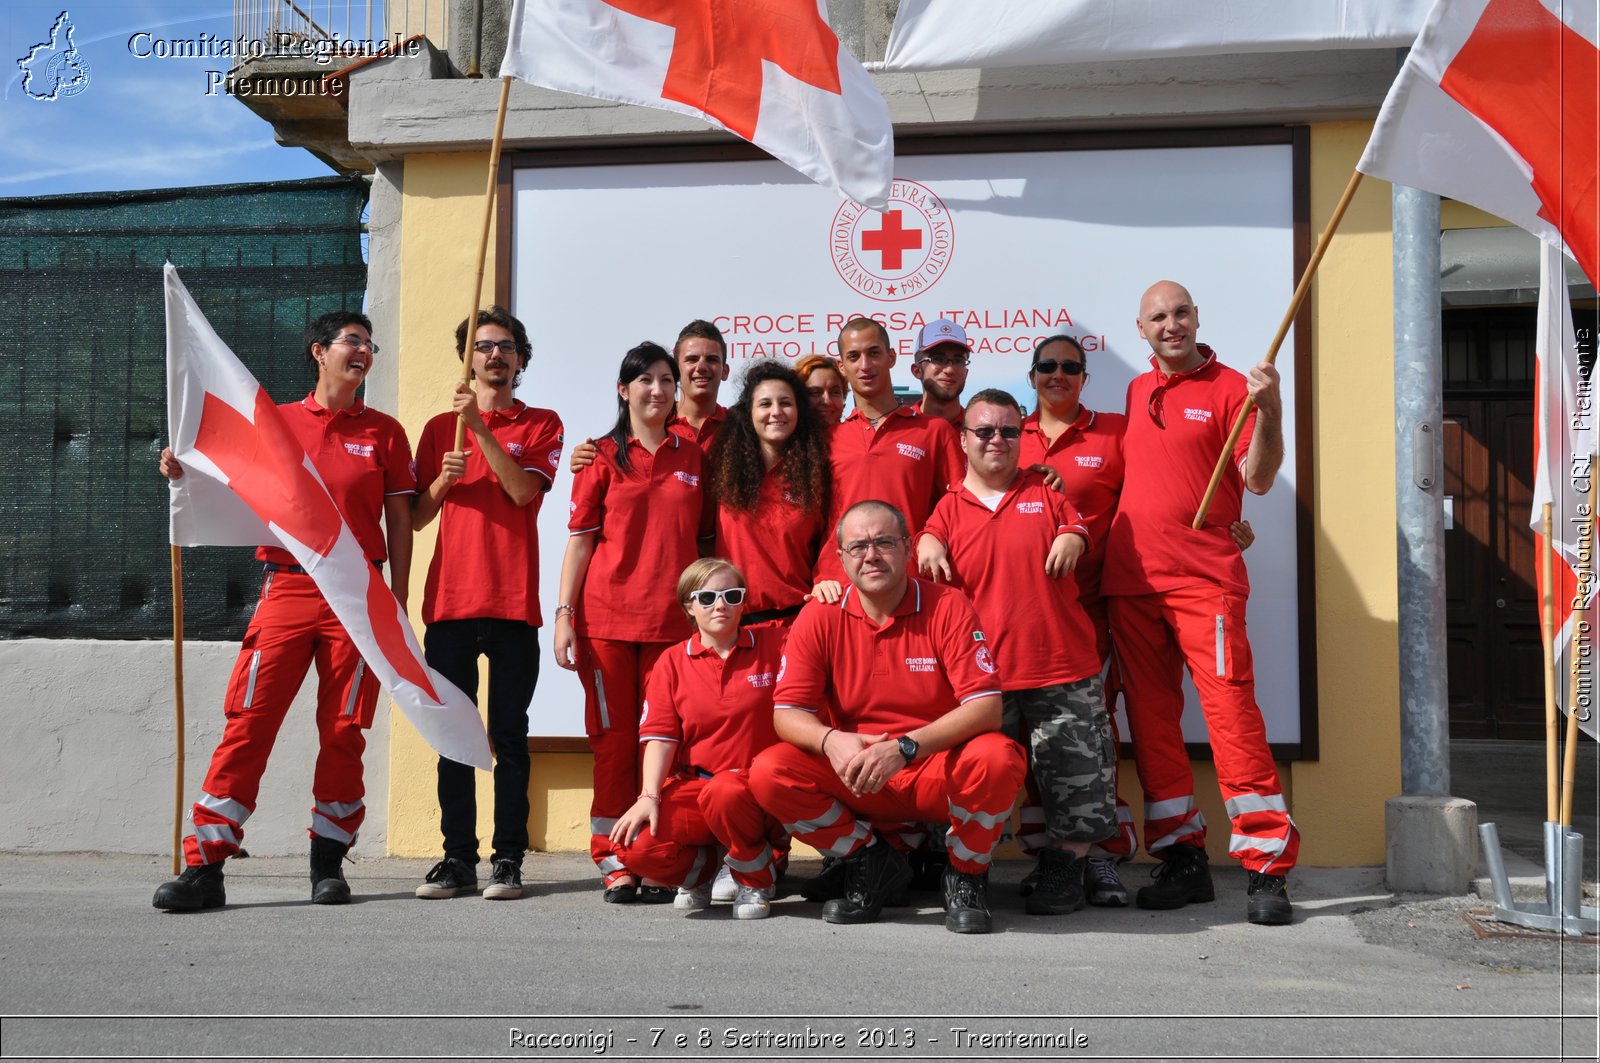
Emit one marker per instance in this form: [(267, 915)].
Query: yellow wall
[(441, 217), (1338, 801)]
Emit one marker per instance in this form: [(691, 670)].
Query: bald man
[(1176, 598)]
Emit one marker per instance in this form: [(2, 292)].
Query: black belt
[(273, 566), (771, 614)]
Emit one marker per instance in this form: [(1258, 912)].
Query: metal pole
[(1419, 498)]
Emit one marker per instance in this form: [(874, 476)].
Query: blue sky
[(137, 122)]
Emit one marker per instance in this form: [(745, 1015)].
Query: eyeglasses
[(986, 432), (706, 599), (1050, 365), (490, 346), (357, 342), (883, 544), (939, 361)]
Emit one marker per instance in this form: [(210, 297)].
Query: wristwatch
[(908, 748)]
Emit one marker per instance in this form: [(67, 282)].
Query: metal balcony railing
[(335, 32)]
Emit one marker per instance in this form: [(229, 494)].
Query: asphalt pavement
[(91, 971)]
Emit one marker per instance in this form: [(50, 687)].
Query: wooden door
[(1494, 651)]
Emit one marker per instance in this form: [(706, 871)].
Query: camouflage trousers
[(1067, 732)]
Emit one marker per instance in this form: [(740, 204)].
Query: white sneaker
[(752, 903), (724, 888), (692, 900)]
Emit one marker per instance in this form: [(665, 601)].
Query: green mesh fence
[(83, 512)]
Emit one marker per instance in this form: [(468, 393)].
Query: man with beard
[(482, 596), (941, 364)]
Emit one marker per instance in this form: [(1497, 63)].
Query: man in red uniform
[(702, 356), (363, 458), (885, 449), (482, 596), (941, 364), (992, 539), (1177, 597), (888, 707)]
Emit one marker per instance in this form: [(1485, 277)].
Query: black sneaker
[(1269, 900), (1102, 886), (505, 881), (966, 902), (198, 887), (448, 878), (657, 894), (873, 874), (1060, 887), (1184, 877)]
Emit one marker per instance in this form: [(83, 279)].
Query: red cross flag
[(250, 483), (1496, 106), (1565, 444), (771, 71)]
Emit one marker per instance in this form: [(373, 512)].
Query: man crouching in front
[(888, 707)]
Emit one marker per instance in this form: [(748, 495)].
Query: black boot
[(198, 887), (327, 875), (966, 902), (1269, 900), (873, 874), (1183, 878)]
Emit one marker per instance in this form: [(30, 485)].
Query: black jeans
[(452, 647)]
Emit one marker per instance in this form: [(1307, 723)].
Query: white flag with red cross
[(1565, 445), (770, 71), (956, 34), (248, 482), (1497, 106)]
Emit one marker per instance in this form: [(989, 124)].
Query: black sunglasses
[(1050, 365), (986, 432)]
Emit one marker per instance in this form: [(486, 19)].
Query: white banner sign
[(1012, 246)]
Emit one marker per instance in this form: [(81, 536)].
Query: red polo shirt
[(930, 656), (1088, 455), (703, 436), (775, 544), (954, 419), (908, 461), (1176, 428), (645, 523), (1040, 634), (490, 544), (362, 456), (719, 709)]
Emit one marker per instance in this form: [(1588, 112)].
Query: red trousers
[(613, 674), (698, 815), (1204, 628), (1031, 836), (291, 628), (972, 787)]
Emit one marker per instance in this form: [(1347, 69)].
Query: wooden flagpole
[(177, 695), (1277, 342), (483, 246), (1580, 616), (1552, 729)]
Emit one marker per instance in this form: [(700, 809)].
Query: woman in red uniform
[(824, 386), (709, 713), (635, 514), (364, 459), (770, 480)]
